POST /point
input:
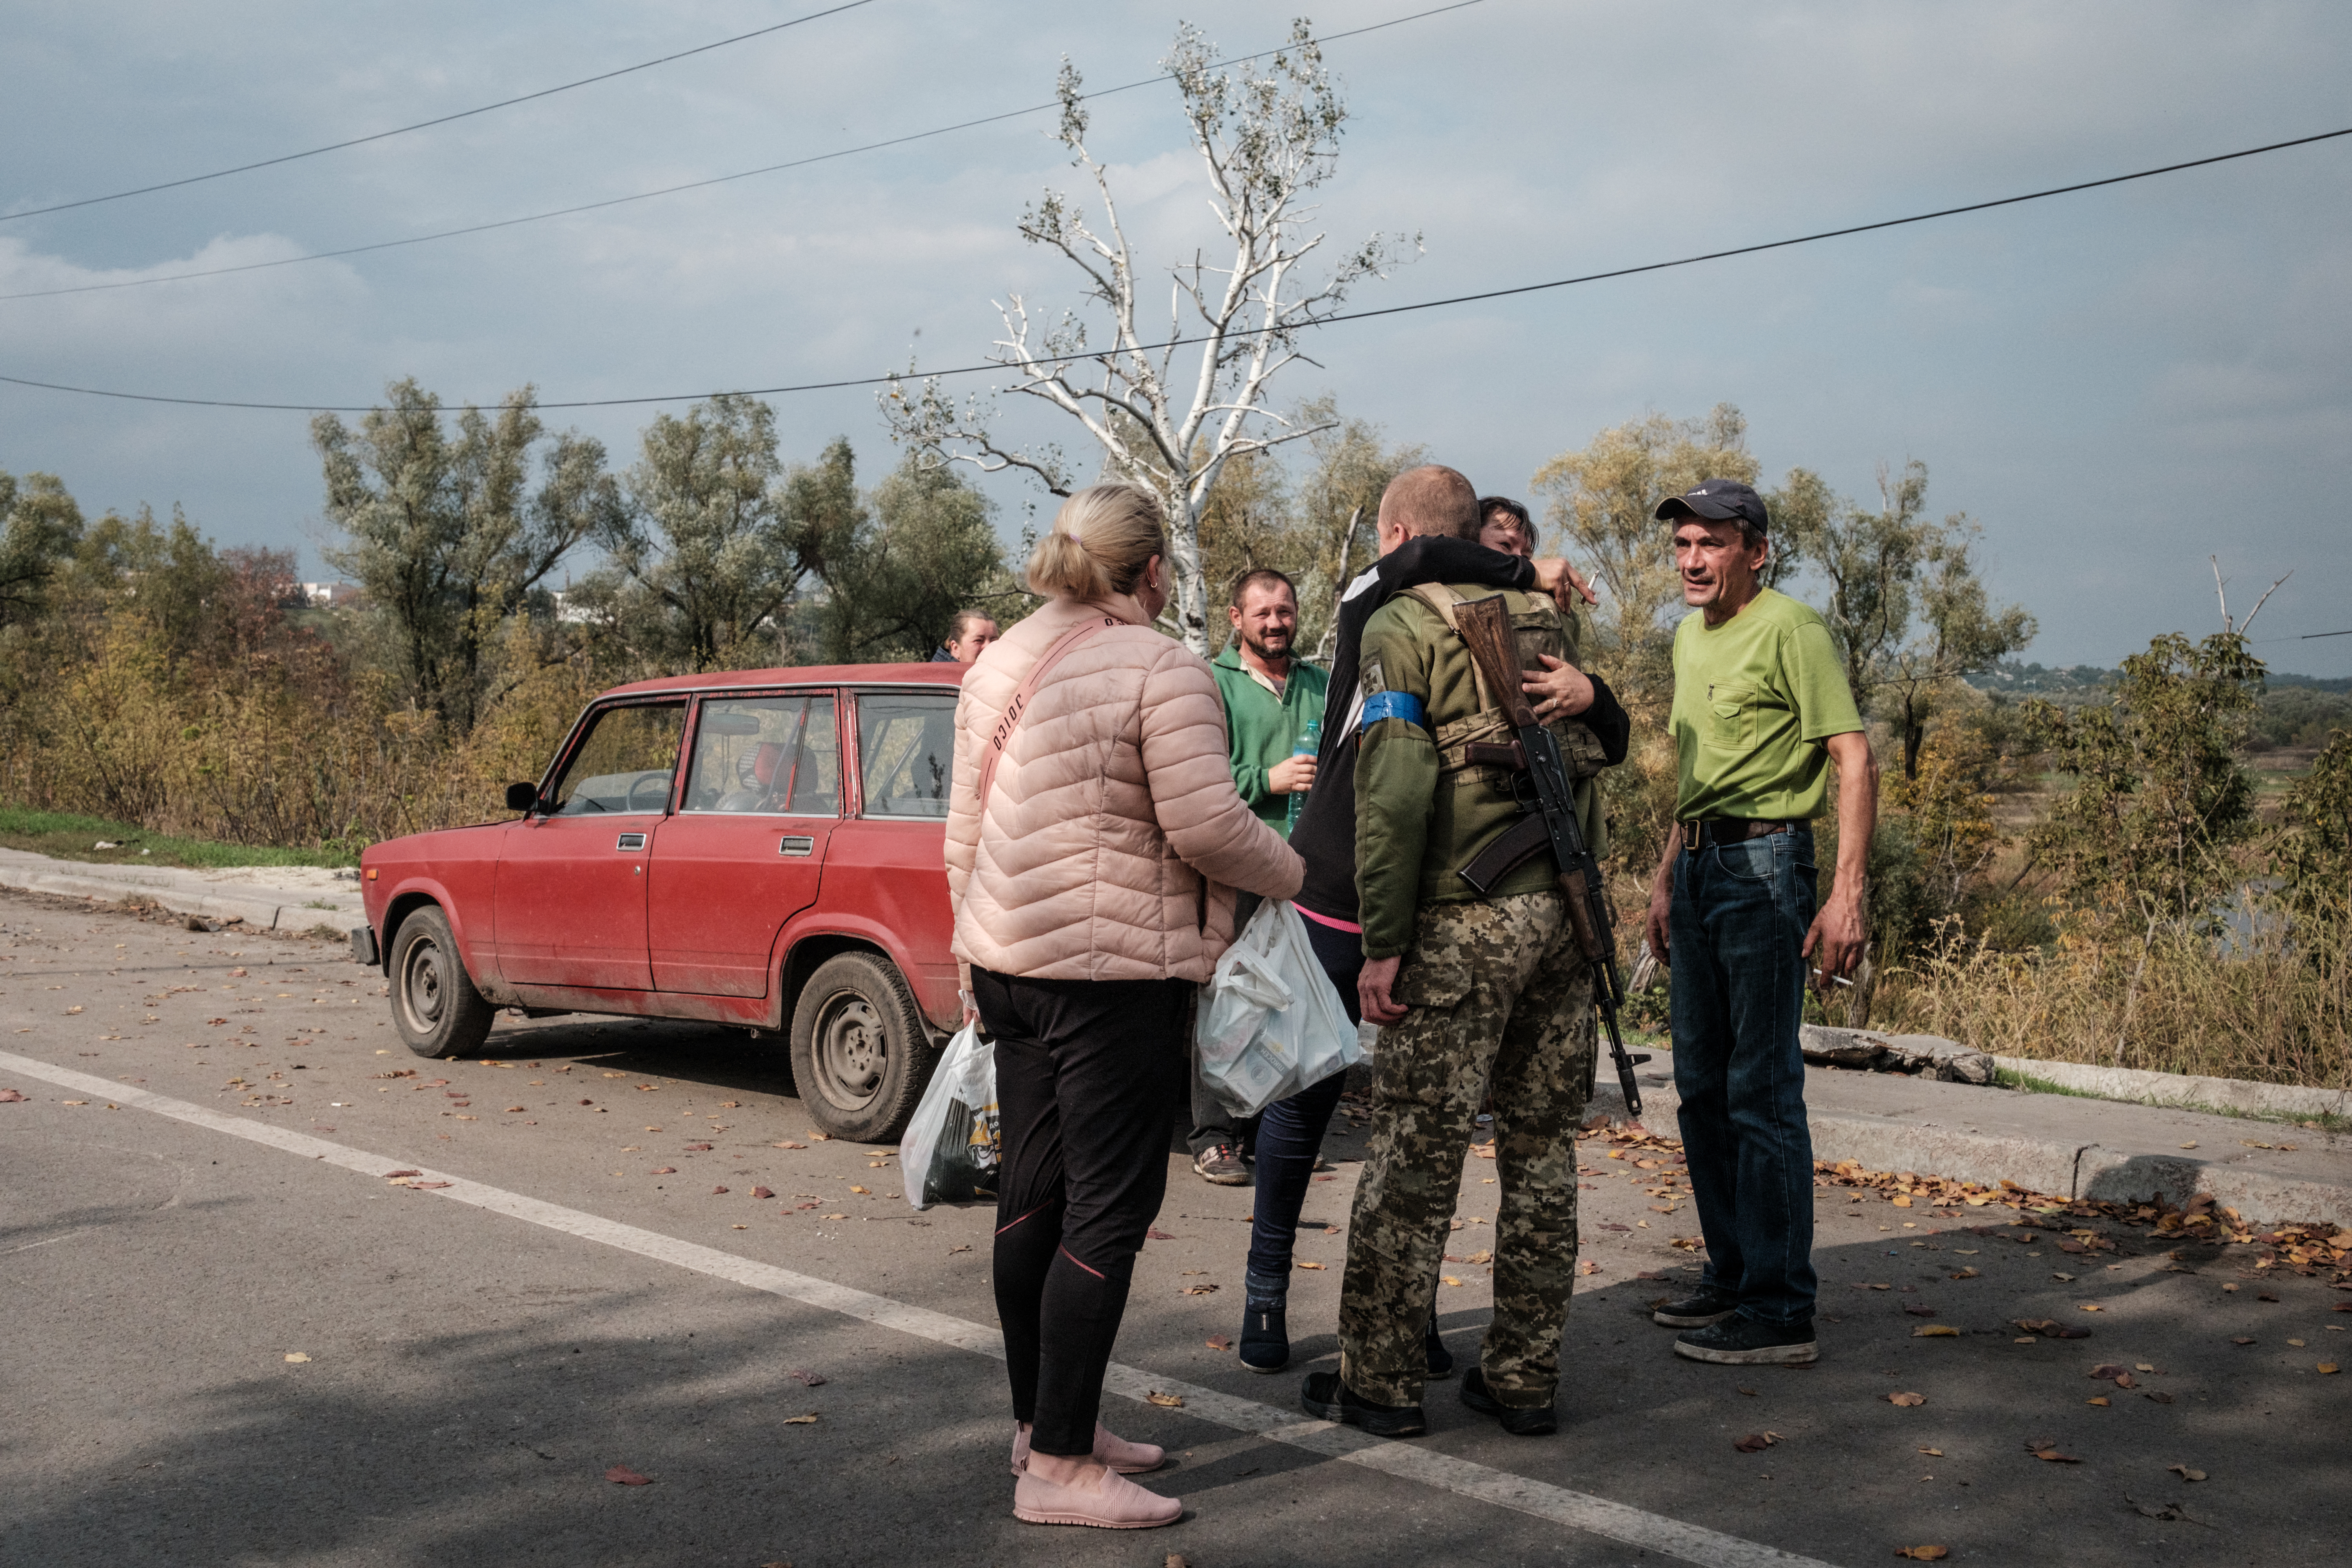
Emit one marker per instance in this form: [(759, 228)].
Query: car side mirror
[(521, 796)]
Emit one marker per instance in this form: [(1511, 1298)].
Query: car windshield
[(768, 755), (906, 745), (626, 762)]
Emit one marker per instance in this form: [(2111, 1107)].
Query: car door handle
[(797, 844), (630, 842)]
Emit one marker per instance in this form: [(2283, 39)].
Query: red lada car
[(789, 876)]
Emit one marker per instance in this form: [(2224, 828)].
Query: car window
[(771, 754), (626, 762), (905, 746)]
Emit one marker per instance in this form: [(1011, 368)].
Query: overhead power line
[(688, 185), (987, 367), (426, 124)]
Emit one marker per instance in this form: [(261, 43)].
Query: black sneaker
[(1541, 1420), (1745, 1341), (1441, 1359), (1326, 1398), (1709, 1305), (1265, 1336), (1221, 1163)]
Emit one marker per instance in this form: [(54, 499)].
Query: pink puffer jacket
[(1114, 838)]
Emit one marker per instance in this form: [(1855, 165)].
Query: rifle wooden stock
[(1484, 626)]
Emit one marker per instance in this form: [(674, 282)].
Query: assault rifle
[(1542, 787)]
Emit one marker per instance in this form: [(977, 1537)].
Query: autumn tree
[(702, 560), (900, 560), (39, 526), (1904, 601), (1166, 414), (447, 534)]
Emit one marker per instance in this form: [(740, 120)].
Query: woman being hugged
[(1094, 843)]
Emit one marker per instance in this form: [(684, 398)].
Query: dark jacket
[(1326, 835)]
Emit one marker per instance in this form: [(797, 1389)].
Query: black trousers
[(1086, 1075)]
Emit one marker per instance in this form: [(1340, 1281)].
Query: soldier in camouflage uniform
[(1475, 995)]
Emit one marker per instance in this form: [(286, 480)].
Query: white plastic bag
[(1271, 1024), (950, 1154)]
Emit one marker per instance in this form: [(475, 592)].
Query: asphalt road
[(228, 1351)]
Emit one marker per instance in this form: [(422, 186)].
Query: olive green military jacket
[(1423, 812)]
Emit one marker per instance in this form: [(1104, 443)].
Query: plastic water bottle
[(1310, 741)]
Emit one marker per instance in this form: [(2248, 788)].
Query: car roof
[(801, 675)]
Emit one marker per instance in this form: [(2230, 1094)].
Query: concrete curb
[(2112, 1150), (261, 908), (2185, 1089)]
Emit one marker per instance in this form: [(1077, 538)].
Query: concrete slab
[(304, 903)]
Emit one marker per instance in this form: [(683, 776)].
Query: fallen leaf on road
[(1922, 1554), (1199, 1289), (1756, 1442), (512, 1108), (761, 1193), (718, 1192), (807, 1420), (2160, 1396), (806, 1378), (2329, 1367), (2265, 1295), (2185, 1473), (2242, 1342), (2101, 1401), (1220, 1342), (953, 1250), (1935, 1332), (664, 1170), (787, 1145), (1749, 1391), (868, 1191), (816, 1137), (2047, 1452), (2051, 1329), (1451, 1280), (389, 1176), (836, 1216), (1154, 1233), (1305, 1265), (2169, 1512), (296, 1356), (1920, 1309), (1932, 1453), (1969, 1273), (1906, 1399), (1165, 1401), (621, 1475), (415, 1186), (72, 1010), (2090, 1307), (698, 1147)]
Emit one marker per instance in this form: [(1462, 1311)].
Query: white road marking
[(1463, 1477)]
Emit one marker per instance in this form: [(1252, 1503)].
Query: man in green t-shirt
[(1762, 709)]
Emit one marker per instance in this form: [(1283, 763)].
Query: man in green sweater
[(1270, 698)]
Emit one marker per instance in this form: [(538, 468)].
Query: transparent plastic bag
[(1270, 1024), (950, 1154)]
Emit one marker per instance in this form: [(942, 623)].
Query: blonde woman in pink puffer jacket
[(1093, 889)]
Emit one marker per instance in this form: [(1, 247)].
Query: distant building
[(329, 595)]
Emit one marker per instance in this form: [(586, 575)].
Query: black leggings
[(1087, 1078)]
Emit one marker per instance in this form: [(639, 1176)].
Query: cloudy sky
[(2116, 384)]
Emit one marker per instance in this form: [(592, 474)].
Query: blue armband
[(1402, 705)]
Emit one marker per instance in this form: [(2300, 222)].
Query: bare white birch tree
[(1169, 411)]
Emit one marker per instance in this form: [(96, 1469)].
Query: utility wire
[(423, 124), (997, 366), (690, 184)]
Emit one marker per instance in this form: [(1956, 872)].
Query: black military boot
[(1441, 1359), (1537, 1421), (1326, 1398)]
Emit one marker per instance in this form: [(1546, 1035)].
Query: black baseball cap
[(1717, 501)]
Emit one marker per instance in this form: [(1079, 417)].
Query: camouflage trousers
[(1499, 998)]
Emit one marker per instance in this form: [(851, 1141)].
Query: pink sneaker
[(1114, 1502), (1127, 1459)]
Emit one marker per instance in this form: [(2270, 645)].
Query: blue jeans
[(1290, 1131), (1739, 918)]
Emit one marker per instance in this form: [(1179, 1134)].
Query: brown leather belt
[(1720, 830)]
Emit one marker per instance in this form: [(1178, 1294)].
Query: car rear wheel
[(860, 1054), (434, 1003)]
